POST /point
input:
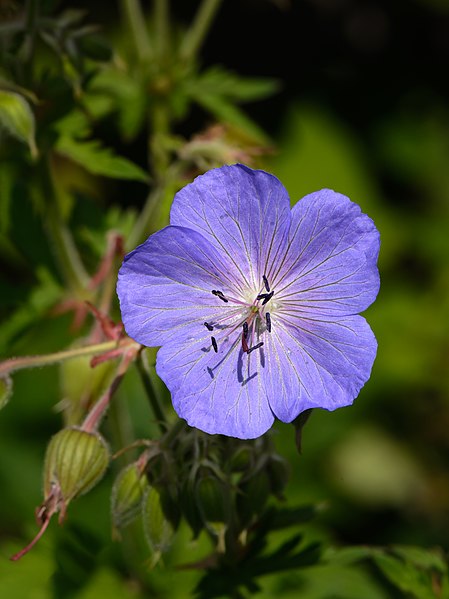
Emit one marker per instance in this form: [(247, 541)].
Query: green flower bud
[(253, 497), (5, 390), (158, 529), (213, 500), (190, 509), (241, 459), (127, 495), (75, 461), (81, 385), (278, 472)]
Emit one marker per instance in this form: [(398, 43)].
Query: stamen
[(245, 330), (244, 343), (214, 344), (265, 297), (220, 294), (268, 321), (248, 351), (208, 326), (265, 282)]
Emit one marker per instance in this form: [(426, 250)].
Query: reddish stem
[(93, 419), (22, 552)]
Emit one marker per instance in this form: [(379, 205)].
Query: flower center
[(252, 321)]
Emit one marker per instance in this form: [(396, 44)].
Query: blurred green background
[(361, 107)]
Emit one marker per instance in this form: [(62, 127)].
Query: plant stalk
[(135, 17), (199, 29)]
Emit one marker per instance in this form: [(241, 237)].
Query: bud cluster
[(219, 485)]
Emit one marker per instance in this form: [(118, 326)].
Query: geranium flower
[(255, 305)]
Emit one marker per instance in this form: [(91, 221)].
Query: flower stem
[(94, 417), (156, 406), (199, 29), (14, 364), (66, 253), (65, 250), (132, 10), (173, 432)]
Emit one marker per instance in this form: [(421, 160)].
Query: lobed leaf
[(99, 160)]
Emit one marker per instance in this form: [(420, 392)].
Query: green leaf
[(422, 558), (43, 297), (226, 112), (405, 575), (220, 82), (17, 117), (99, 160), (129, 99)]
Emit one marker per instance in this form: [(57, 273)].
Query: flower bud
[(81, 385), (213, 502), (278, 472), (158, 529), (75, 461), (190, 509), (254, 495), (241, 459), (127, 495)]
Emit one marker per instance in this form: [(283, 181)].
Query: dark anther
[(208, 326), (265, 282), (268, 321), (265, 297), (219, 294), (214, 344), (248, 351), (245, 330)]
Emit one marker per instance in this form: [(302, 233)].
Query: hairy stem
[(153, 398), (95, 416), (14, 364)]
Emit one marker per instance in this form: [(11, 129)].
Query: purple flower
[(255, 305)]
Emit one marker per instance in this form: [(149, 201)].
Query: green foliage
[(99, 160), (411, 577), (17, 118)]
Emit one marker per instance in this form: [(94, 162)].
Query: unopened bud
[(189, 508), (127, 494), (241, 459), (158, 529), (254, 495), (81, 386), (278, 472), (75, 461), (213, 502)]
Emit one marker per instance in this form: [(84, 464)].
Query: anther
[(220, 294), (248, 351), (265, 282), (245, 330), (208, 326), (265, 297), (214, 344), (268, 321)]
